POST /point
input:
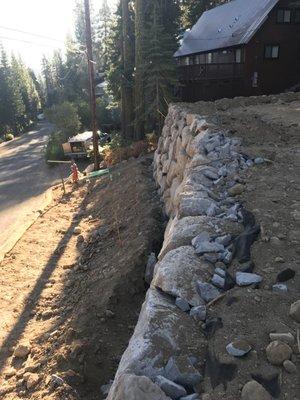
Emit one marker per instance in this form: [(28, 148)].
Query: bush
[(54, 150), (8, 137), (114, 153), (65, 117), (152, 140)]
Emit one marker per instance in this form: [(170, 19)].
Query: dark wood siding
[(274, 75), (257, 75)]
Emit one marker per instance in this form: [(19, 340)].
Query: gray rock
[(283, 337), (249, 163), (202, 237), (226, 257), (236, 190), (150, 268), (238, 348), (199, 313), (277, 352), (290, 367), (218, 281), (295, 311), (180, 370), (170, 388), (212, 257), (193, 206), (254, 391), (224, 240), (213, 210), (246, 279), (223, 171), (259, 160), (193, 396), (220, 272), (207, 291), (182, 304), (209, 247), (210, 174), (280, 288), (133, 387)]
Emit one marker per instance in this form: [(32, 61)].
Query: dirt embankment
[(71, 289)]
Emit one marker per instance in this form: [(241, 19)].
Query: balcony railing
[(210, 71)]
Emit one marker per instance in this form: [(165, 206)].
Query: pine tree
[(193, 9), (12, 108), (139, 89), (159, 66), (127, 73)]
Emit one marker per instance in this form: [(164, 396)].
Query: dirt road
[(24, 183)]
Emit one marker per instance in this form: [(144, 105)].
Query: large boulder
[(177, 274), (180, 232), (162, 331), (132, 387)]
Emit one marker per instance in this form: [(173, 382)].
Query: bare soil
[(76, 298), (272, 193)]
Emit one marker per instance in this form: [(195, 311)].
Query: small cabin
[(241, 48)]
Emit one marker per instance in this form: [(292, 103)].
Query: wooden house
[(241, 48)]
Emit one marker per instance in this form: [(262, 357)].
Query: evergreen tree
[(12, 108), (139, 89), (193, 9), (159, 66)]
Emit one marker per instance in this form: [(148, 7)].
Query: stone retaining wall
[(196, 170)]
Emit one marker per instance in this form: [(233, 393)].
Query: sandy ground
[(76, 297)]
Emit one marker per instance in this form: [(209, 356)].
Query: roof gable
[(230, 24)]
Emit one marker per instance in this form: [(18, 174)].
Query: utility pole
[(89, 49)]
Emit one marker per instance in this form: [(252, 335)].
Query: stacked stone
[(196, 170)]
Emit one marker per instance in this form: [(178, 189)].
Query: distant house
[(242, 48)]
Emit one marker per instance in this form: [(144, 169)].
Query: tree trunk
[(127, 103), (139, 82)]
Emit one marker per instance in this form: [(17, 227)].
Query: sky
[(51, 19)]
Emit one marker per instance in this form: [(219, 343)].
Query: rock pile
[(196, 168)]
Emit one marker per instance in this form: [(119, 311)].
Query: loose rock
[(236, 190), (283, 337), (277, 352), (32, 380), (254, 391), (181, 371), (285, 275), (246, 279), (290, 367), (279, 288), (22, 350), (295, 311), (182, 304), (238, 348), (198, 313), (77, 230), (170, 388), (207, 291)]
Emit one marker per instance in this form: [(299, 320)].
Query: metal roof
[(228, 25)]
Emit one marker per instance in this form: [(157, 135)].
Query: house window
[(272, 51), (284, 16), (297, 15), (238, 56), (209, 58)]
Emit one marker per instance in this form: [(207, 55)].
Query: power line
[(31, 34), (30, 42)]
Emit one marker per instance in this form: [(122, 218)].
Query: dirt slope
[(73, 299)]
